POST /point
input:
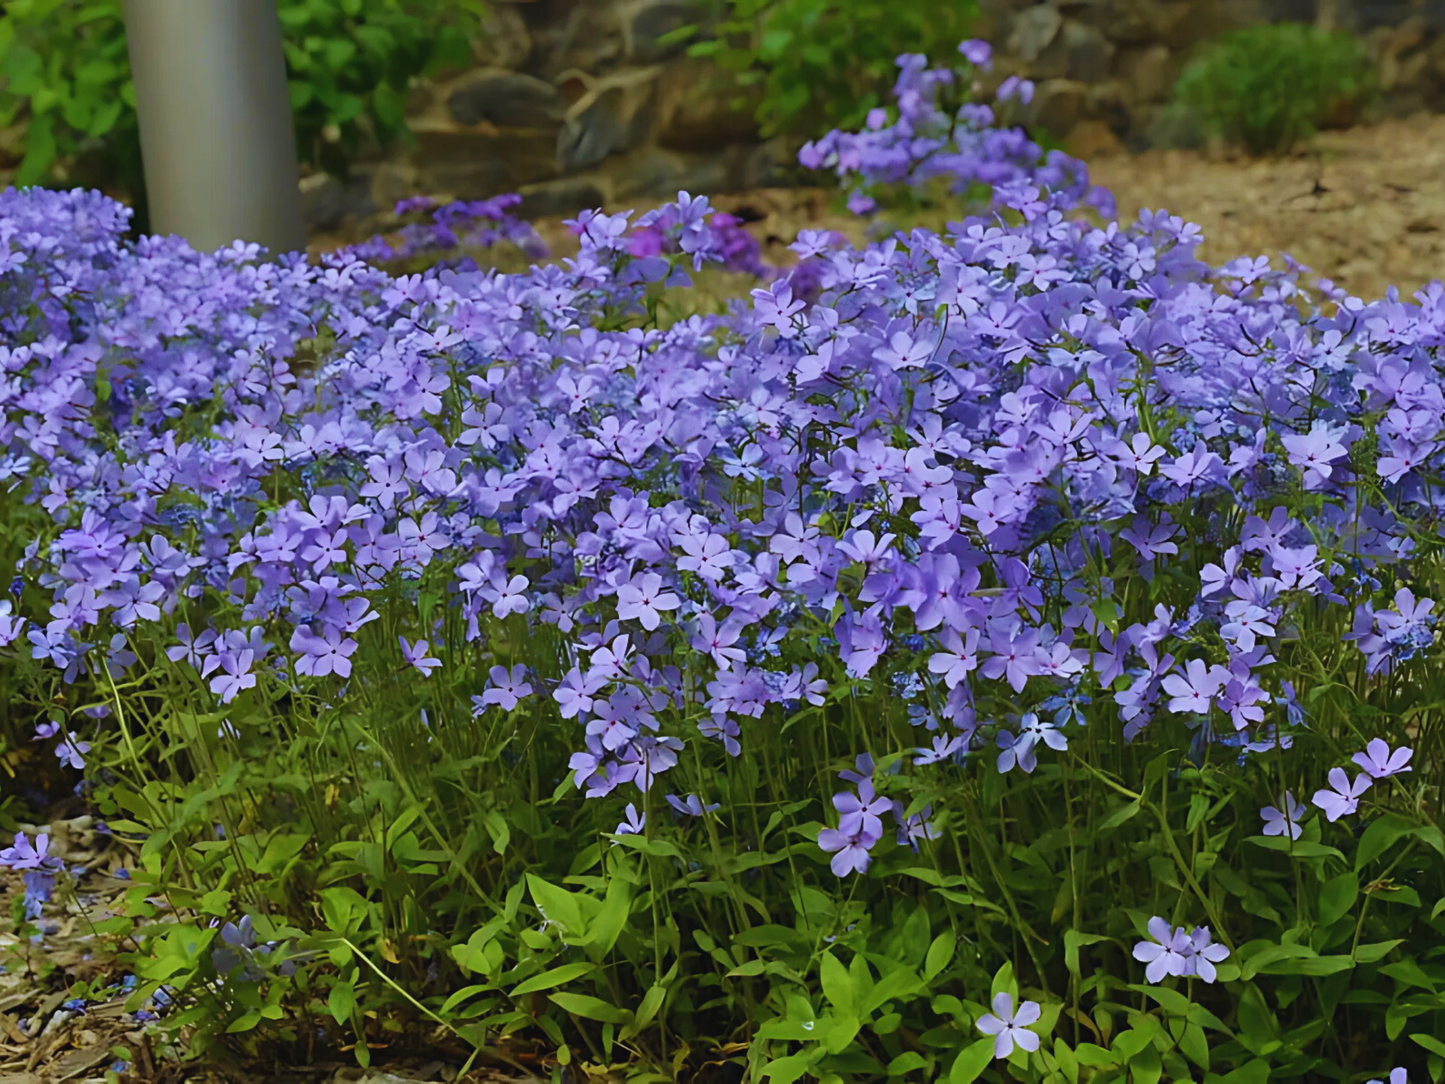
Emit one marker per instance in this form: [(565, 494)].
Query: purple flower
[(1277, 823), (644, 600), (72, 752), (1018, 750), (415, 655), (508, 687), (1380, 763), (634, 823), (977, 52), (1196, 692), (851, 849), (1011, 1028), (236, 674), (1167, 954), (1204, 955), (329, 653), (1344, 799), (690, 807), (24, 856), (861, 812)]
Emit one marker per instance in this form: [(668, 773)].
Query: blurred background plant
[(824, 64), (1266, 87), (68, 99)]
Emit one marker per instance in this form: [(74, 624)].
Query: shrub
[(826, 63), (1006, 653), (67, 78), (1268, 86)]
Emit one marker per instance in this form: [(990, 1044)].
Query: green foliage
[(350, 63), (1268, 86), (824, 64), (67, 79)]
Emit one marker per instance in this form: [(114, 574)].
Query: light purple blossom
[(1168, 952), (416, 655), (1010, 1028), (1284, 818), (1344, 798), (1379, 762), (508, 687)]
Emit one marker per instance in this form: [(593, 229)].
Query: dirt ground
[(1364, 206)]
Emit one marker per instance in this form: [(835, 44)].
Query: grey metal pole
[(215, 122)]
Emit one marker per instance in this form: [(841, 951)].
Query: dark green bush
[(1266, 87), (66, 80), (825, 63)]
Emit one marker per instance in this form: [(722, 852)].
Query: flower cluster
[(948, 456), (38, 867), (1179, 951)]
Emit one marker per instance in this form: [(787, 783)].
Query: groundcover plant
[(1004, 653)]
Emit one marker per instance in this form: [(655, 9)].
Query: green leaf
[(1004, 983), (1378, 950), (651, 1003), (464, 994), (341, 1002), (1408, 972), (1194, 1046), (40, 152), (1430, 1043), (280, 849), (841, 1034), (556, 905), (1073, 940), (557, 976), (837, 983), (910, 1061), (591, 1008), (1299, 848), (1308, 965), (1432, 837), (972, 1060), (1382, 834), (342, 909), (940, 954), (1337, 897), (1119, 816)]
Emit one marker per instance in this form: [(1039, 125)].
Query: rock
[(482, 161), (564, 196), (659, 174), (647, 21), (1174, 127), (506, 99), (1149, 73), (591, 39), (421, 95), (771, 165), (392, 182), (1109, 102), (505, 41), (1091, 139), (1088, 52), (612, 114), (1057, 105), (1033, 30), (327, 201), (1130, 22), (702, 107)]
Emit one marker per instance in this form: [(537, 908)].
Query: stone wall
[(1104, 68), (577, 103), (572, 103)]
